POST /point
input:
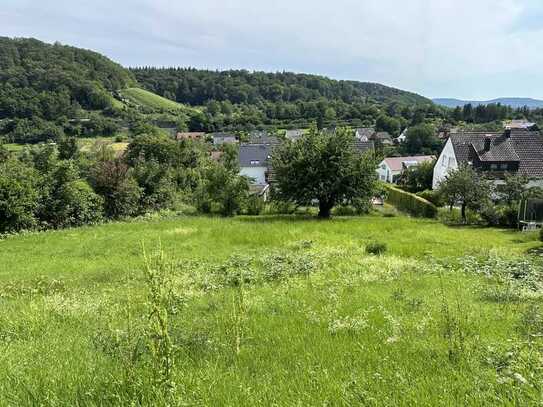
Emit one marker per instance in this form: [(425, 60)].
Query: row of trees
[(56, 185), (470, 191)]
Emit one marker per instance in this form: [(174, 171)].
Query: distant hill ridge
[(514, 102)]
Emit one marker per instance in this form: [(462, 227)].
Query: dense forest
[(49, 91)]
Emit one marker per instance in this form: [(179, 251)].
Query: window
[(493, 167), (255, 162), (504, 167), (451, 161), (444, 161), (384, 167)]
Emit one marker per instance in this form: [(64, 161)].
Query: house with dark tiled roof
[(262, 137), (383, 138), (364, 146), (364, 133), (513, 151), (223, 138), (254, 162), (294, 135)]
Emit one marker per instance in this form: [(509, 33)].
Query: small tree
[(18, 196), (324, 168), (418, 178), (224, 188), (466, 188)]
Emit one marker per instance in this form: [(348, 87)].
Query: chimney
[(488, 142), (507, 133)]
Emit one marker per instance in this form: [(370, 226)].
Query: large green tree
[(325, 168)]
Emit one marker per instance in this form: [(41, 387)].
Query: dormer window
[(255, 162)]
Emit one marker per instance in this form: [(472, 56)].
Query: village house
[(262, 137), (512, 151), (223, 138), (364, 133), (403, 136), (519, 124), (294, 135), (364, 146), (383, 138), (254, 162), (391, 169)]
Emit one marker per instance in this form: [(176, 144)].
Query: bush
[(344, 210), (432, 196), (254, 205), (410, 203), (376, 248), (541, 234)]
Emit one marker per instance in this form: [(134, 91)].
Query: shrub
[(410, 203), (344, 210), (541, 234), (254, 205), (376, 248), (431, 196)]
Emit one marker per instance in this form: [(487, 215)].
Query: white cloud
[(465, 48)]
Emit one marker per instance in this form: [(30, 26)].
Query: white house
[(401, 138), (254, 161), (514, 151), (364, 133), (391, 168)]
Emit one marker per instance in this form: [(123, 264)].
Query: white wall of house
[(385, 173), (257, 173), (445, 164)]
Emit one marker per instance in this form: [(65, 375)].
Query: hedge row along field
[(410, 203)]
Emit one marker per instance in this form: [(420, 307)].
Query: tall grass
[(270, 311)]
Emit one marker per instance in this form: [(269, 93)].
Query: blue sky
[(471, 49)]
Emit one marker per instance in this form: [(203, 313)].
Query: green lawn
[(151, 100), (269, 311)]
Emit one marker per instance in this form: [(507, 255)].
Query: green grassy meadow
[(276, 310), (151, 100)]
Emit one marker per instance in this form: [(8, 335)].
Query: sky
[(468, 49)]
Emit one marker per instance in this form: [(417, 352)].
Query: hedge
[(410, 203)]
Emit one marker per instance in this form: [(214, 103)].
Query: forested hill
[(51, 90), (52, 80), (197, 87)]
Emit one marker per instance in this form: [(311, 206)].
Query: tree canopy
[(324, 168)]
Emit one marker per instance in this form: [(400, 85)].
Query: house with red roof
[(391, 168)]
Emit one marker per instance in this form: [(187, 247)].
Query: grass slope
[(153, 101), (316, 321)]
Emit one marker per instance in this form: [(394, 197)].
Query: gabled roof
[(397, 163), (522, 146), (382, 136), (364, 146), (262, 137), (364, 132), (254, 155), (294, 134), (219, 138)]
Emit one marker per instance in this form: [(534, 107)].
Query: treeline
[(197, 87), (494, 112), (57, 185)]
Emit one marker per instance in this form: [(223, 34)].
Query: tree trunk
[(325, 209), (464, 212)]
